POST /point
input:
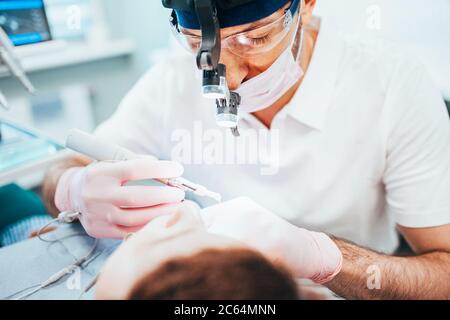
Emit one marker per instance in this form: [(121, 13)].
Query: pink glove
[(307, 254), (108, 208)]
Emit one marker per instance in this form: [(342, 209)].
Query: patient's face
[(163, 239)]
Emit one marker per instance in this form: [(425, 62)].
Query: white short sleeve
[(417, 175), (138, 123)]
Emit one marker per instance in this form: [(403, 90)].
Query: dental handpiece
[(9, 58), (101, 150), (3, 101)]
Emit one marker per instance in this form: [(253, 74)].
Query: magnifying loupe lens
[(227, 120), (214, 92)]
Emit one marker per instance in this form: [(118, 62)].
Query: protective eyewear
[(248, 43)]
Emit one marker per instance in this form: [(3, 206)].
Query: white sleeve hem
[(423, 220)]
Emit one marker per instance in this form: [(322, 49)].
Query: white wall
[(144, 21), (422, 26), (405, 20)]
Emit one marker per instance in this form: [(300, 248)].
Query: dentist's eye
[(194, 43), (260, 41)]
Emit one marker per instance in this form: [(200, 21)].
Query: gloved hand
[(108, 208), (309, 255)]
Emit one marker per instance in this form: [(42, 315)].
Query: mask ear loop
[(302, 34)]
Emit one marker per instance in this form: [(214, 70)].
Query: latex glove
[(307, 254), (108, 208)]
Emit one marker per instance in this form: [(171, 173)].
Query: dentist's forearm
[(369, 275), (52, 178)]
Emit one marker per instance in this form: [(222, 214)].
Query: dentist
[(364, 154)]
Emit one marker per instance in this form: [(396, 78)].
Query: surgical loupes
[(214, 85)]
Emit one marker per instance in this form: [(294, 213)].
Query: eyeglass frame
[(287, 17)]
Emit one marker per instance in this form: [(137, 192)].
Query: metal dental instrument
[(9, 58), (101, 150), (3, 101), (214, 73), (67, 218)]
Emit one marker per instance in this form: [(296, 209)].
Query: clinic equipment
[(214, 73), (63, 218), (101, 150), (24, 152), (3, 101), (25, 22), (9, 58), (20, 147)]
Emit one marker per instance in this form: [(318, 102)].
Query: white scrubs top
[(363, 145)]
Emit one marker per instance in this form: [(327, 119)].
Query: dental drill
[(9, 58), (101, 150)]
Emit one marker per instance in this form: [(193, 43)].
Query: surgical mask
[(265, 89)]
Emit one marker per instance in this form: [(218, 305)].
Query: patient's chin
[(112, 289), (114, 283)]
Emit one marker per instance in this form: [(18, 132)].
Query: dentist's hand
[(307, 254), (108, 208)]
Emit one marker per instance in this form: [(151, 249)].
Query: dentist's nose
[(236, 69)]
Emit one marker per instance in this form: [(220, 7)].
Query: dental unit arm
[(214, 84), (9, 58)]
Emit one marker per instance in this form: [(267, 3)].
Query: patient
[(174, 257)]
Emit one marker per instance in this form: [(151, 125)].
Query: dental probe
[(101, 150)]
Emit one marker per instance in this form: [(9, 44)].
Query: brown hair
[(232, 274)]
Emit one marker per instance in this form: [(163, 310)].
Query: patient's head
[(174, 257), (216, 274)]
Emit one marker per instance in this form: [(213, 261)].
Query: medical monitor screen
[(24, 21)]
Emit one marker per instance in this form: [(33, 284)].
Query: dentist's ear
[(307, 12)]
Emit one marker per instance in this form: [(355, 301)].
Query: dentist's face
[(165, 238), (241, 69)]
